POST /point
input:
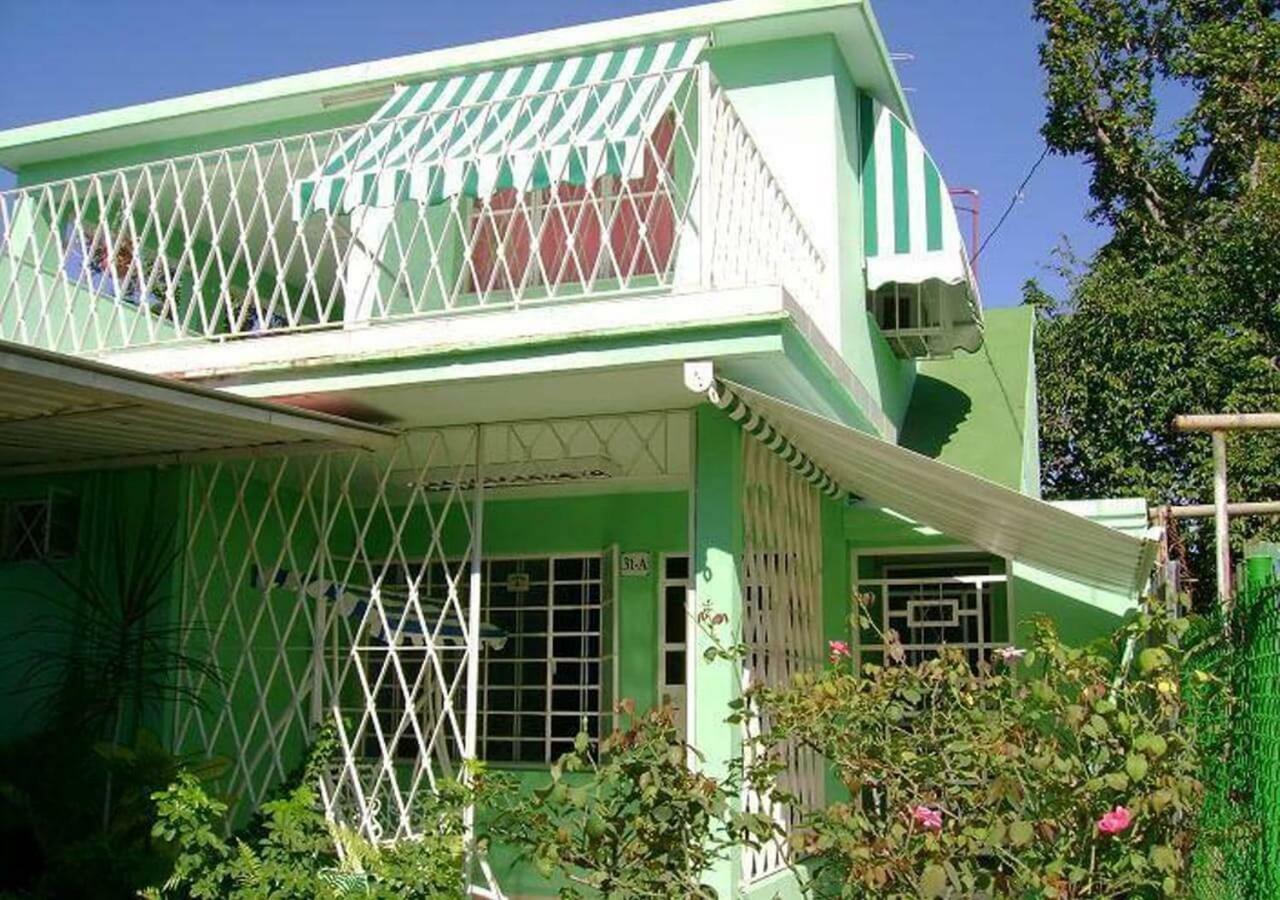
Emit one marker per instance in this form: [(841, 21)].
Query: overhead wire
[(1013, 201)]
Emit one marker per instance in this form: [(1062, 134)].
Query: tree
[(1179, 312)]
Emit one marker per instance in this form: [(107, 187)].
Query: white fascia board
[(483, 329)]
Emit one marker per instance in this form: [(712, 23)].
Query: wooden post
[(1221, 518)]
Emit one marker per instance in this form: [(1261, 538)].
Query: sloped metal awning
[(567, 120), (61, 413), (910, 234), (964, 506)]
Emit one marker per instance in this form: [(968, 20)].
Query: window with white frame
[(43, 528), (673, 631), (540, 685), (931, 601)]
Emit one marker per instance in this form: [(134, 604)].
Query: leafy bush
[(76, 813), (293, 851), (633, 820), (1054, 772)]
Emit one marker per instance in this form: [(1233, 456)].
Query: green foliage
[(1192, 329), (57, 836), (1108, 66), (635, 820), (292, 851), (126, 655), (1175, 106), (995, 781)]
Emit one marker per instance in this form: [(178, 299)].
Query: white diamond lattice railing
[(782, 627), (343, 588), (212, 246)]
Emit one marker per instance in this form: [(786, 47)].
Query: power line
[(1013, 201)]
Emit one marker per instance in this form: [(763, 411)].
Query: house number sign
[(636, 565)]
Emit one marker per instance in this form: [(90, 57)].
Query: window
[(540, 687), (936, 600), (46, 528), (557, 235), (673, 625), (109, 266)]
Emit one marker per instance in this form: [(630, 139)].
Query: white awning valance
[(563, 120)]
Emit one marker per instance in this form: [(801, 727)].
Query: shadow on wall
[(936, 413)]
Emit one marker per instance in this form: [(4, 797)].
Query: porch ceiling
[(59, 412)]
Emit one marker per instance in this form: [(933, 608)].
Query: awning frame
[(559, 120), (1010, 524)]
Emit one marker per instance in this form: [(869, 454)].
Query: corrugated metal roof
[(59, 412), (963, 506)]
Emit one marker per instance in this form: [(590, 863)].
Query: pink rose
[(839, 650), (1115, 821), (1010, 654), (927, 818)]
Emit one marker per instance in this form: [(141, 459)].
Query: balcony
[(329, 231)]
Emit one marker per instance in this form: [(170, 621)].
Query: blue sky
[(973, 82)]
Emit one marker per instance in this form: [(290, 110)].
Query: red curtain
[(503, 233)]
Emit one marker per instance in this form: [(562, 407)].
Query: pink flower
[(1010, 654), (1115, 821), (839, 650), (927, 818)]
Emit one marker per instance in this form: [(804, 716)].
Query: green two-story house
[(465, 382)]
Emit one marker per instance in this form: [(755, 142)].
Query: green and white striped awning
[(844, 462), (910, 232), (728, 399), (563, 120)]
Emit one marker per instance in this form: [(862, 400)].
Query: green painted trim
[(901, 193), (932, 205), (867, 137), (819, 375)]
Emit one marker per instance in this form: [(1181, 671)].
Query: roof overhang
[(965, 507), (61, 413), (730, 23)]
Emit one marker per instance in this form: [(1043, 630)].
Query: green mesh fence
[(1237, 855)]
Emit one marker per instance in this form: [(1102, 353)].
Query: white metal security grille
[(208, 247), (339, 588), (935, 602), (546, 682), (782, 626)]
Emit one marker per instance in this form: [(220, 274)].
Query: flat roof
[(63, 413), (730, 23)]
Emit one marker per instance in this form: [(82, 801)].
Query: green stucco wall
[(801, 87), (975, 411), (36, 605)]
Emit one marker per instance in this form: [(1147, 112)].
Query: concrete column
[(717, 549)]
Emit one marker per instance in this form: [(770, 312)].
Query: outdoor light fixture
[(524, 473)]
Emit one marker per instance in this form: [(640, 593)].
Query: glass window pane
[(674, 667)]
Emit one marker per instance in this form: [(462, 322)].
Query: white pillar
[(1221, 522)]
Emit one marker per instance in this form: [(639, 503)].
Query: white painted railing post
[(471, 719), (705, 200)]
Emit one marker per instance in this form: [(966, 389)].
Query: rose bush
[(1047, 772)]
